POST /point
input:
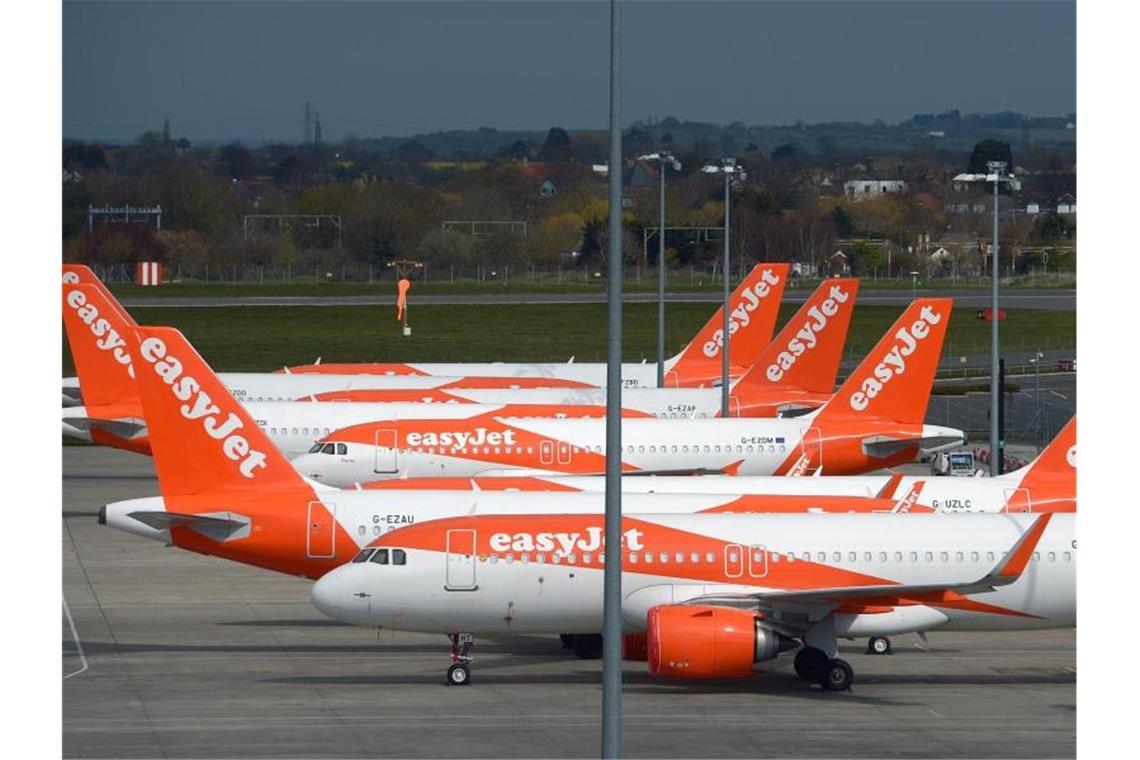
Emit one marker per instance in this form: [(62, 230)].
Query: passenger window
[(294, 431), (364, 555), (633, 558), (1052, 556), (974, 557), (664, 556), (898, 557), (710, 557), (959, 557), (362, 530), (930, 556), (1067, 557), (1036, 556), (852, 556), (944, 557), (380, 557), (648, 557), (989, 556), (398, 557), (540, 558), (821, 556), (585, 558), (837, 556), (914, 557), (883, 557), (695, 557), (679, 557), (376, 530), (305, 431)]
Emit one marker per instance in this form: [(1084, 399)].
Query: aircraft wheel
[(567, 640), (588, 646), (459, 675), (810, 664), (838, 676), (878, 645)]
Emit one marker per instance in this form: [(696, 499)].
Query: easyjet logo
[(741, 314), (107, 338), (461, 439), (807, 337), (566, 543), (907, 340), (1071, 456), (201, 407)]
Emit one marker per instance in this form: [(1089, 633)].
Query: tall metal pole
[(661, 282), (995, 442), (611, 607), (724, 360)]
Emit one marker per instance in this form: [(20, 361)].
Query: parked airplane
[(875, 420), (755, 305), (1047, 484), (113, 414), (715, 594), (794, 374)]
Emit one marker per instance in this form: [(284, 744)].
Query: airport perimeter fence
[(1030, 419), (637, 276)]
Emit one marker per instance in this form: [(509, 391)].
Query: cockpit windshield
[(382, 557), (364, 555), (315, 448), (328, 448)]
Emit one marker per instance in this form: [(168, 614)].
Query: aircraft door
[(757, 561), (321, 539), (563, 452), (1018, 500), (460, 560), (546, 452), (385, 451), (733, 406), (733, 560), (811, 449)]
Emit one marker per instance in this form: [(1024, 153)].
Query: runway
[(1059, 300), (191, 656)]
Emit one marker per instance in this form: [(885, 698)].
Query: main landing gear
[(879, 645), (833, 674), (459, 674)]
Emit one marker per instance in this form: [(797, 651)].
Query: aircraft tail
[(202, 439), (894, 381), (754, 307), (78, 274), (1049, 482), (98, 338), (807, 351)]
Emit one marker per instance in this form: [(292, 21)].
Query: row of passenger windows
[(382, 556), (652, 449), (758, 556), (298, 431)]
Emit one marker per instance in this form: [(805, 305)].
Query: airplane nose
[(328, 593)]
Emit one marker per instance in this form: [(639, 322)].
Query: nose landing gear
[(879, 645), (459, 674)]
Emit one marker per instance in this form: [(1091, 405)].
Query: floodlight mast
[(727, 167), (664, 159), (996, 170)]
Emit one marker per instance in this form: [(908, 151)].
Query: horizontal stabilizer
[(218, 526), (123, 428), (881, 446)]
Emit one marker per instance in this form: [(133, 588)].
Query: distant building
[(547, 188), (861, 189), (1067, 204)]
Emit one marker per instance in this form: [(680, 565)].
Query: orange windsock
[(402, 288)]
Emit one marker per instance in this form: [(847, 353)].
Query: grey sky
[(244, 70)]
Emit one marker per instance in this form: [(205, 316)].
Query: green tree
[(989, 150)]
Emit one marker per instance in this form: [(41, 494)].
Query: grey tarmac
[(1057, 300), (191, 656)]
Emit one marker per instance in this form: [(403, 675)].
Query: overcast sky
[(244, 70)]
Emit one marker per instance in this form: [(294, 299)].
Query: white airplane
[(1047, 484), (227, 492), (874, 420), (715, 594), (754, 306), (792, 375)]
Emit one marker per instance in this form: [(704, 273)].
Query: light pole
[(664, 159), (996, 169), (1036, 362), (727, 167)]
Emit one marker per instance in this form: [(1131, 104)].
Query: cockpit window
[(364, 555), (398, 557), (315, 449), (380, 557), (329, 448), (342, 449)]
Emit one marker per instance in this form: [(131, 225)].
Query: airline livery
[(875, 420), (753, 308), (714, 594)]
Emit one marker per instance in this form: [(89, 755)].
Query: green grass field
[(265, 338)]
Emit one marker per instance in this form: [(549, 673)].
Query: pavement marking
[(75, 637)]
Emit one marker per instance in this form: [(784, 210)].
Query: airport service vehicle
[(714, 593), (875, 420), (1047, 484), (794, 374), (754, 307)]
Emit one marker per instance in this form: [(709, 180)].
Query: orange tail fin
[(78, 274), (754, 307), (201, 437), (99, 345), (807, 351), (895, 379), (1051, 478)]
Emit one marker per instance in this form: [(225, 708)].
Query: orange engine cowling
[(635, 647), (709, 642)]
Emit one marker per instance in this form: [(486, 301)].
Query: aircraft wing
[(797, 609)]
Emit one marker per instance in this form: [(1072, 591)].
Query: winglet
[(808, 349), (755, 305), (98, 339), (894, 381), (201, 437), (1013, 564)]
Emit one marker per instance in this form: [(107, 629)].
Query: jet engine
[(692, 641)]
